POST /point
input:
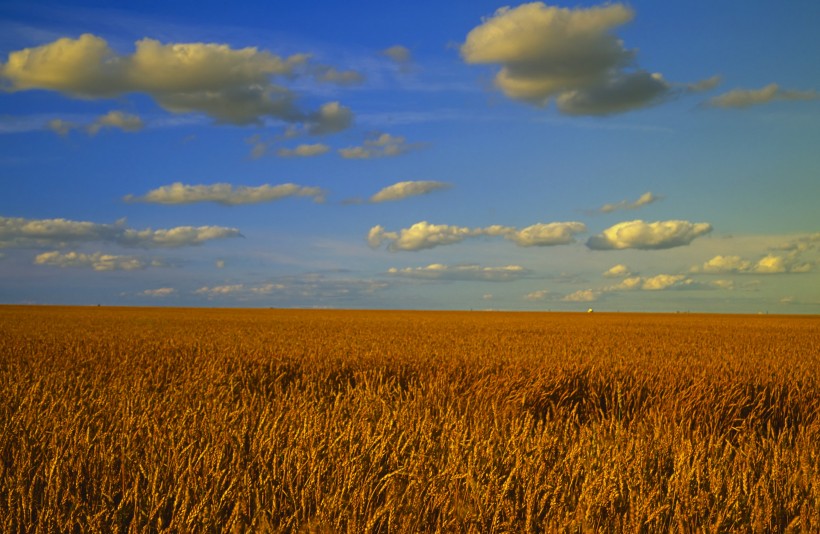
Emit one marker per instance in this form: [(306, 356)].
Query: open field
[(354, 421)]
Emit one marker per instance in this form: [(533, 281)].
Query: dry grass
[(119, 420)]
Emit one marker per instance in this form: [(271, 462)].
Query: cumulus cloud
[(617, 271), (96, 261), (380, 146), (571, 55), (658, 282), (549, 234), (21, 232), (638, 234), (438, 271), (403, 190), (229, 85), (302, 151), (769, 264), (744, 98), (643, 200), (424, 235), (159, 292), (226, 194)]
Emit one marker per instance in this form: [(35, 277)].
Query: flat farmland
[(206, 420)]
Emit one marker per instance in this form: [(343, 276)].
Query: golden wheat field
[(184, 420)]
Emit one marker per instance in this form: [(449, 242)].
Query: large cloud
[(424, 235), (227, 194), (403, 190), (97, 261), (653, 235), (743, 98), (230, 85), (570, 54), (21, 232), (438, 271)]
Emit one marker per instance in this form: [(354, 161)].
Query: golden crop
[(345, 421)]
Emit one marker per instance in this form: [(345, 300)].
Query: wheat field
[(202, 420)]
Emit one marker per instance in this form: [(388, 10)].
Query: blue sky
[(650, 156)]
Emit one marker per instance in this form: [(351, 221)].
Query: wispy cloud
[(638, 234), (643, 200), (226, 194), (303, 151), (160, 292), (402, 190), (26, 233), (424, 235), (381, 145), (470, 272), (769, 264), (744, 98), (97, 261)]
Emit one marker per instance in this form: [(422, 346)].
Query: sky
[(643, 156)]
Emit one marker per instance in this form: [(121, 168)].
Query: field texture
[(116, 420)]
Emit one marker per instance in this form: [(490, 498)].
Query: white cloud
[(617, 271), (217, 291), (539, 235), (583, 295), (403, 190), (159, 292), (658, 282), (743, 98), (220, 264), (380, 146), (569, 54), (665, 281), (769, 264), (96, 261), (227, 194), (230, 85), (21, 232), (423, 235), (420, 236), (438, 271), (643, 200), (541, 294), (301, 151), (180, 236), (638, 234)]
